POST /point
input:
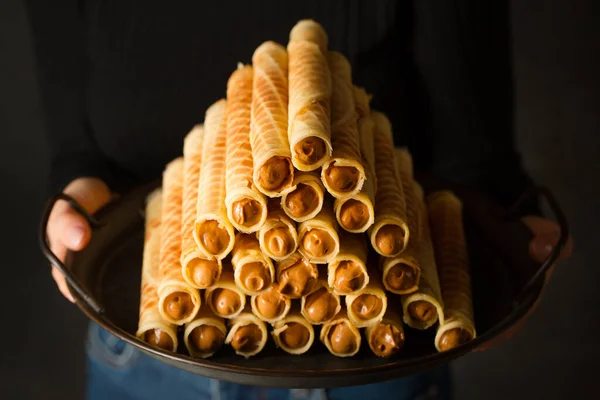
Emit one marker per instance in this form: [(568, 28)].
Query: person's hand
[(68, 230), (545, 237)]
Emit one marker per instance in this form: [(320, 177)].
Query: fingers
[(62, 284), (545, 237)]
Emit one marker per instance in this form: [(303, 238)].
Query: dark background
[(555, 356)]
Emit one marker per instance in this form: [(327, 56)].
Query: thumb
[(545, 237)]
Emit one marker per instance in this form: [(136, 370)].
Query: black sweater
[(123, 81)]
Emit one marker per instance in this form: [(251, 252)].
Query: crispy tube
[(247, 334), (213, 232), (246, 205), (293, 334), (386, 338), (318, 238), (205, 335), (296, 276), (273, 169), (271, 305), (451, 255), (309, 128), (343, 175), (340, 336), (390, 233), (423, 308), (278, 237), (305, 200), (253, 270), (225, 298), (321, 305), (347, 271), (152, 327), (368, 306), (178, 302)]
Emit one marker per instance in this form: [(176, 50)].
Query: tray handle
[(560, 218), (71, 279)]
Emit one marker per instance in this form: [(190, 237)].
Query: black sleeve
[(463, 64), (58, 40)]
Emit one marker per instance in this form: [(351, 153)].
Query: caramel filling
[(247, 338), (158, 338), (275, 173), (342, 179), (302, 201), (255, 276), (225, 301), (203, 272), (367, 306), (310, 150), (318, 243), (453, 338), (214, 238), (385, 340), (297, 280), (178, 305), (342, 340), (295, 336), (390, 239), (207, 338), (401, 277), (354, 214), (279, 241), (320, 306), (246, 212), (271, 304), (349, 277), (421, 310)]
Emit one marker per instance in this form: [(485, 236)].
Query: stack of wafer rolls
[(452, 259)]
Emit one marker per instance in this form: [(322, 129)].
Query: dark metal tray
[(105, 281)]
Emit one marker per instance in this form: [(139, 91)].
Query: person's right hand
[(67, 229)]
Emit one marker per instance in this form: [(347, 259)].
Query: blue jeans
[(116, 370)]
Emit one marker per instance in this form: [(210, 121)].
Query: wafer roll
[(340, 336), (278, 237), (366, 132), (386, 338), (225, 298), (404, 163), (309, 128), (178, 302), (246, 205), (321, 305), (253, 270), (445, 212), (390, 233), (362, 101), (247, 334), (197, 270), (205, 335), (213, 232), (318, 238), (293, 334), (152, 328), (296, 276), (423, 308), (305, 200), (368, 306), (343, 175), (273, 169), (347, 271), (271, 305)]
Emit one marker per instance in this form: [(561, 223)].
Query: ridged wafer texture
[(239, 165), (310, 90), (269, 125), (344, 128), (362, 101), (340, 318), (211, 188), (451, 255)]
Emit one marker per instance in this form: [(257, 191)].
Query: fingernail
[(541, 247), (75, 236)]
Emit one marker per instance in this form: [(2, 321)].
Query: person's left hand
[(545, 237)]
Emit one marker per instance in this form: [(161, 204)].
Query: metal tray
[(105, 281)]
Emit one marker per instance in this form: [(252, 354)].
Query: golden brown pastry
[(225, 298), (247, 334), (318, 239), (386, 338), (347, 271), (293, 334), (367, 306), (296, 276), (205, 335), (271, 305), (340, 336), (305, 200), (278, 237), (253, 270), (321, 304)]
